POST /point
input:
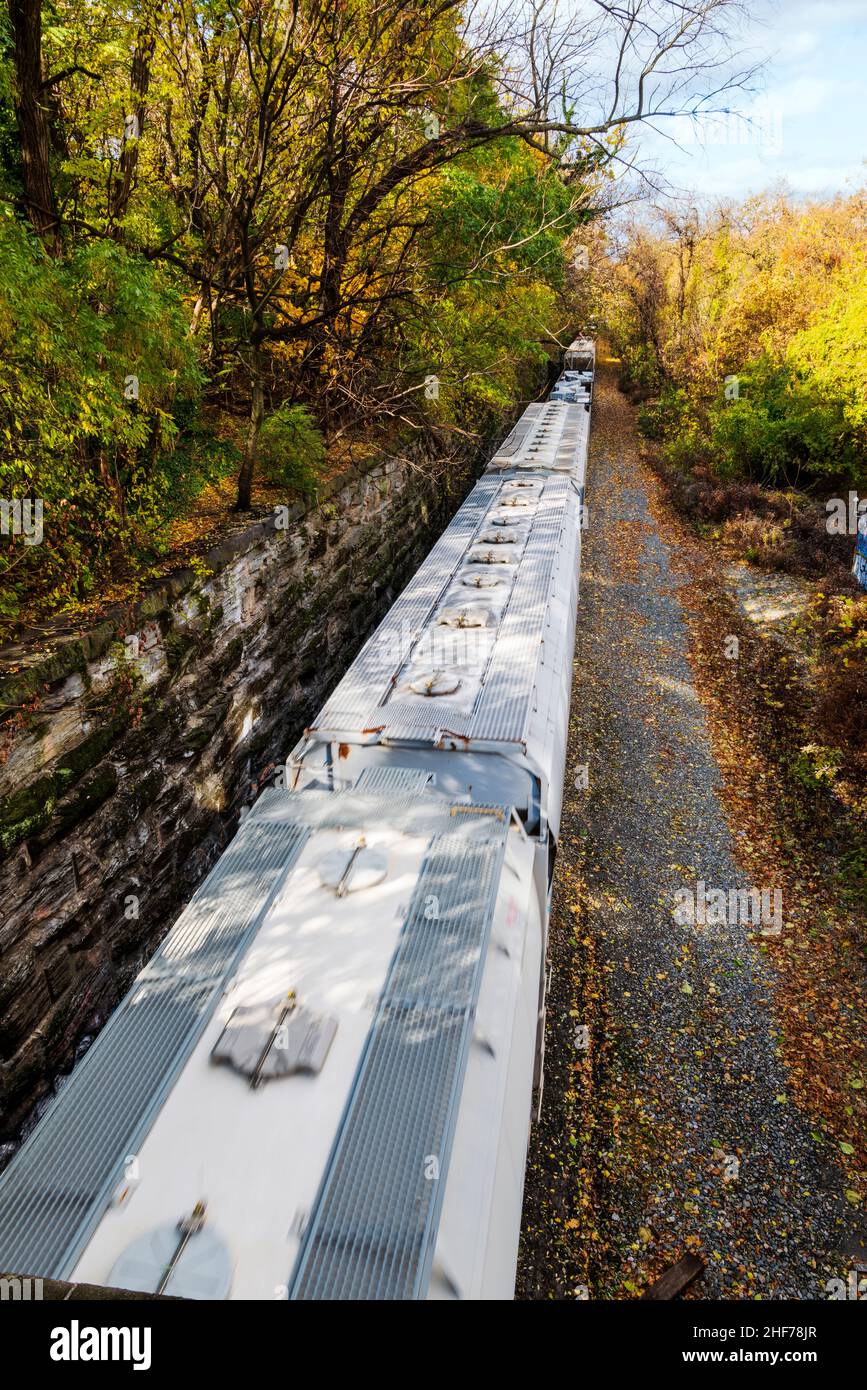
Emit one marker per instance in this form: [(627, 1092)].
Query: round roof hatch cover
[(435, 683), (509, 536), (354, 869), (497, 555), (203, 1268), (468, 615), (481, 581)]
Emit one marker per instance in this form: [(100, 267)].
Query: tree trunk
[(140, 79), (254, 429), (33, 128)]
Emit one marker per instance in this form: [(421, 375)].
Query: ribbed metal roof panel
[(61, 1180), (373, 1228), (551, 436), (365, 704), (387, 648), (406, 780)]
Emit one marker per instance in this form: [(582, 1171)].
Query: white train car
[(574, 387), (318, 1086), (468, 676), (321, 1085), (580, 355)]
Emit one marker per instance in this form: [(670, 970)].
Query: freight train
[(321, 1086)]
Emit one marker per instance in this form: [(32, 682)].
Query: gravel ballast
[(667, 1126)]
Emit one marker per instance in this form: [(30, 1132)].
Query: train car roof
[(400, 984), (550, 437), (458, 661)]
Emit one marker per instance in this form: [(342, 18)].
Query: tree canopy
[(748, 325), (236, 232)]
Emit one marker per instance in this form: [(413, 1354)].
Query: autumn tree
[(321, 203)]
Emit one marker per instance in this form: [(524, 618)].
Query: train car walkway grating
[(373, 1228), (61, 1180)]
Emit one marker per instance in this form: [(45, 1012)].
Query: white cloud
[(789, 15), (805, 96), (799, 45)]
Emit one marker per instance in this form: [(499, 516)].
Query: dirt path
[(667, 1123)]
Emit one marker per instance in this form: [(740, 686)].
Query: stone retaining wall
[(130, 748)]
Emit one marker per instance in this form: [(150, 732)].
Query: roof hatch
[(185, 1260), (468, 615), (350, 870), (264, 1041), (434, 683)]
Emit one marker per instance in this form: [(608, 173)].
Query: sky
[(809, 121)]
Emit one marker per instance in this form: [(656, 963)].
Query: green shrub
[(660, 418), (110, 470), (638, 368), (780, 431), (291, 448)]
